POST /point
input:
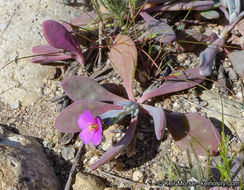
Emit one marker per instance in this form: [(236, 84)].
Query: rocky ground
[(27, 115)]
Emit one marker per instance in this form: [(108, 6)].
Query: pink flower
[(91, 128)]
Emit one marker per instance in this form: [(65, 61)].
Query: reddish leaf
[(207, 57), (194, 129), (179, 80), (158, 118), (58, 36), (118, 147), (164, 33), (53, 54), (237, 61), (123, 58), (49, 59), (85, 88), (67, 119), (194, 5), (45, 49)]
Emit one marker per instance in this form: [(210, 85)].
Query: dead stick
[(71, 173)]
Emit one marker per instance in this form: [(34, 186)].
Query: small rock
[(93, 160), (15, 105), (137, 175), (239, 95), (68, 153), (187, 62), (181, 57), (107, 134), (87, 182), (176, 105), (106, 145), (193, 110), (203, 103), (118, 136)]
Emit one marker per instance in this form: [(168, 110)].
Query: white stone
[(239, 95), (68, 153), (176, 105), (137, 175), (106, 145), (93, 160), (15, 105), (193, 110)]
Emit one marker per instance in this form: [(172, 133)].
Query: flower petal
[(97, 138), (100, 129), (86, 136), (84, 119)]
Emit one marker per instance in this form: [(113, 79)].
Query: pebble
[(87, 182), (118, 135), (68, 153), (176, 105), (203, 103), (242, 114), (193, 110), (239, 95), (181, 57), (187, 62), (93, 160), (106, 145), (15, 105), (107, 134), (137, 175)]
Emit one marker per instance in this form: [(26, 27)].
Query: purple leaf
[(49, 59), (118, 147), (207, 57), (194, 129), (237, 61), (80, 87), (54, 54), (45, 49), (194, 5), (164, 33), (57, 35), (123, 58), (179, 80), (84, 19), (225, 12), (158, 118), (67, 120), (153, 1)]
